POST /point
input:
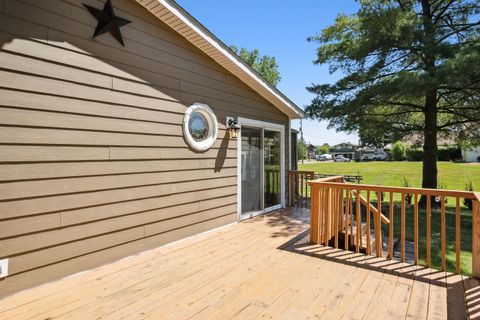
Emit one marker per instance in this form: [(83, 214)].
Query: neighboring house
[(346, 149), (311, 151), (471, 155), (109, 150)]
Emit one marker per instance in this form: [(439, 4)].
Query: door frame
[(264, 125)]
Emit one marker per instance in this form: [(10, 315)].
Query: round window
[(200, 127)]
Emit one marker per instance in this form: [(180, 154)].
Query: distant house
[(346, 149), (311, 151), (471, 155)]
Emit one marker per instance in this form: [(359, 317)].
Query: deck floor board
[(263, 268)]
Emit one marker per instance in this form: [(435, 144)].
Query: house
[(471, 154), (345, 149), (121, 137), (153, 131), (311, 151)]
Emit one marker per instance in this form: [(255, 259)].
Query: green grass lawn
[(452, 175), (435, 251)]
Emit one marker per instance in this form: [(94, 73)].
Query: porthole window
[(200, 127)]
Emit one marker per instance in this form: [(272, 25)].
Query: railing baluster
[(390, 231), (369, 249), (415, 229), (314, 215), (321, 215), (326, 207), (429, 223), (334, 211), (442, 234), (378, 227), (457, 234), (337, 215), (402, 227), (347, 209), (351, 214), (359, 222), (476, 236), (297, 189), (301, 190)]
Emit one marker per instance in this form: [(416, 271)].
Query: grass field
[(451, 175)]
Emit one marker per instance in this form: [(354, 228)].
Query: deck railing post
[(476, 237)]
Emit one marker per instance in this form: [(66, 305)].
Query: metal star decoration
[(107, 21)]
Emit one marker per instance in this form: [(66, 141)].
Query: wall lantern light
[(232, 127)]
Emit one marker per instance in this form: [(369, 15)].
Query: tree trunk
[(429, 171), (429, 178), (430, 147)]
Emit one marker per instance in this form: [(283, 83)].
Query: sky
[(280, 29)]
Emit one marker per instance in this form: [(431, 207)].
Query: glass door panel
[(251, 170), (272, 176)]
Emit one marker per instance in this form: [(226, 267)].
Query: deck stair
[(352, 238)]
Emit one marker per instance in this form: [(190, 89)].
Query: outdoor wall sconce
[(232, 127)]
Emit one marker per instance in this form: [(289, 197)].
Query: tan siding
[(36, 171), (19, 135), (24, 207), (93, 163), (16, 190), (20, 153), (27, 100), (94, 259), (14, 227)]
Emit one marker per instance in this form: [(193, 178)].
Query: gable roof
[(170, 13)]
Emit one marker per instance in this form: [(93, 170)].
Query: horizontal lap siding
[(93, 163)]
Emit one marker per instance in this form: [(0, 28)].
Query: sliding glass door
[(251, 169), (260, 169), (271, 165)]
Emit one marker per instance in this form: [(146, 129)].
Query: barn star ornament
[(108, 21)]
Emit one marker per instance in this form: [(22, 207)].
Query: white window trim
[(212, 127), (266, 126)]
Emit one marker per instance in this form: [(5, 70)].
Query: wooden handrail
[(338, 179), (336, 209), (427, 192), (363, 201)]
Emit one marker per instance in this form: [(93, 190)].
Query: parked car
[(324, 157), (378, 155), (341, 158)]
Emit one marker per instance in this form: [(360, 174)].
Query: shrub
[(414, 154), (451, 153), (398, 151)]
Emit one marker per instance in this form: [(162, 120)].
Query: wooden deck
[(262, 268)]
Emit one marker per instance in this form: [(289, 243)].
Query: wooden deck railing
[(340, 209), (299, 193)]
